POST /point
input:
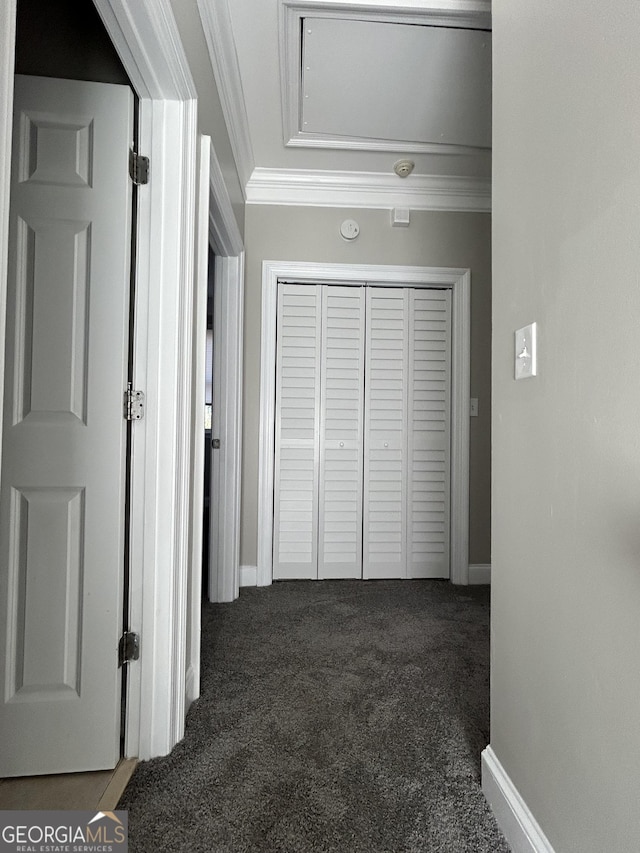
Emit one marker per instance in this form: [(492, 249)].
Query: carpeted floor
[(336, 717)]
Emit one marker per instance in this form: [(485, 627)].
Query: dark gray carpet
[(336, 717)]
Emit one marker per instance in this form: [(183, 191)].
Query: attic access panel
[(387, 81)]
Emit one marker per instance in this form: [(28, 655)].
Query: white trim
[(472, 14), (192, 686), (459, 280), (514, 818), (146, 37), (248, 576), (224, 566), (368, 189), (224, 234), (218, 32), (7, 52), (480, 573)]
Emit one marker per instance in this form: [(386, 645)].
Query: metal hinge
[(128, 647), (138, 168), (133, 404)]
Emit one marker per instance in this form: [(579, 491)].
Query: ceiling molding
[(218, 32), (471, 14), (368, 189)]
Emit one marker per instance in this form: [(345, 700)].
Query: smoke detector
[(403, 168)]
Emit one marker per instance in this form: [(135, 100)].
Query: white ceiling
[(261, 67)]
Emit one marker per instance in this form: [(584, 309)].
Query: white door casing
[(62, 499), (310, 274)]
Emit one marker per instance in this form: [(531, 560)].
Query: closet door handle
[(342, 444)]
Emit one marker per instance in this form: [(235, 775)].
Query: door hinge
[(128, 648), (133, 404), (138, 168)]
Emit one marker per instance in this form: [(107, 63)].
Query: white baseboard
[(479, 573), (518, 825), (248, 576), (191, 694)]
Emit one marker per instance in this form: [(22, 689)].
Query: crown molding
[(218, 32), (368, 189)]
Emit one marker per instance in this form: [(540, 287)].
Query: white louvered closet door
[(429, 434), (385, 435), (297, 446), (341, 433)]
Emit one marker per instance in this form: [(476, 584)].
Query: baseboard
[(518, 825), (190, 686), (480, 573), (248, 575)]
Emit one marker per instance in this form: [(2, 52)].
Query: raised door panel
[(295, 546), (341, 428), (64, 440), (429, 437), (385, 434)]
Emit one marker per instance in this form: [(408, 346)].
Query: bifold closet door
[(407, 433), (341, 432), (362, 439), (297, 432)]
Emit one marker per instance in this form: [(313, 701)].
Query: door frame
[(459, 281), (228, 317), (147, 39)]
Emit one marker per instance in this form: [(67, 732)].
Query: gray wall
[(433, 239), (566, 445)]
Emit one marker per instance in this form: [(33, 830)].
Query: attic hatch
[(383, 81)]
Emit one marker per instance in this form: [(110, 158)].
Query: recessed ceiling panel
[(386, 81)]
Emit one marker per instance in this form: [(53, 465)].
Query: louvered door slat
[(341, 424), (429, 438), (295, 550), (385, 436)]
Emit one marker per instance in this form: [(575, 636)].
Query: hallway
[(335, 716)]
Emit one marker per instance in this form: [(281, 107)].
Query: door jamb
[(228, 291), (459, 280)]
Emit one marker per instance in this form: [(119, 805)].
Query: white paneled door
[(363, 432), (64, 440)]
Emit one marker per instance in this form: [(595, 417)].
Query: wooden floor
[(100, 790)]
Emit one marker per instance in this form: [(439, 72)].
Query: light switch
[(473, 408), (525, 355)]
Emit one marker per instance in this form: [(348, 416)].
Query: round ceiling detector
[(403, 168)]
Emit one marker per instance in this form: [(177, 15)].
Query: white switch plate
[(525, 354), (473, 408)]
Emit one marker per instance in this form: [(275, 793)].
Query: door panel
[(63, 455), (429, 433), (295, 553), (385, 434), (341, 424)]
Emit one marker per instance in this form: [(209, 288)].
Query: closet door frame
[(459, 282)]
